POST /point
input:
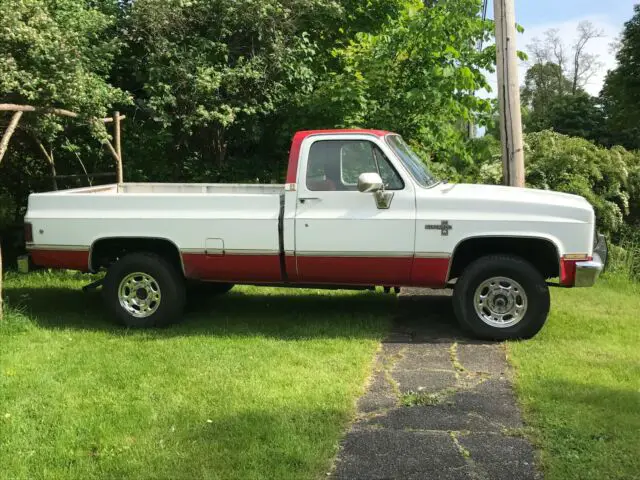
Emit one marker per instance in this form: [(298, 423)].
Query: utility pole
[(509, 93)]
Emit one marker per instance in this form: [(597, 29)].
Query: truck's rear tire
[(500, 297), (144, 290)]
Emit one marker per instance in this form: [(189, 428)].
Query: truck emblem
[(444, 227)]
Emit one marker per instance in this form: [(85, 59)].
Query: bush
[(575, 165)]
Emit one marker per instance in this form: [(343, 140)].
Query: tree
[(621, 91), (543, 84), (579, 115), (57, 54), (557, 76), (579, 65), (416, 76), (209, 75)]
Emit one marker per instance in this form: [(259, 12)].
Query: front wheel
[(144, 290), (501, 297)]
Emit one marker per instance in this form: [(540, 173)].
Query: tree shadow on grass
[(309, 313)]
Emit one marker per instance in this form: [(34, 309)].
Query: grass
[(260, 383), (579, 382)]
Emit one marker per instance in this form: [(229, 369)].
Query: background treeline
[(214, 89)]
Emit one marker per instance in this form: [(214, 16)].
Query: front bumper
[(588, 272)]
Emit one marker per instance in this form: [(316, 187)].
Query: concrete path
[(438, 406)]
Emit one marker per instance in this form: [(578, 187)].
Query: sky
[(537, 16)]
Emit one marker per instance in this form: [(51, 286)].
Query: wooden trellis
[(19, 110)]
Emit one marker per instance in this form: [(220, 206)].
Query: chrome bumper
[(587, 272)]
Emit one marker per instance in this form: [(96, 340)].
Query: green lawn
[(579, 383), (260, 383)]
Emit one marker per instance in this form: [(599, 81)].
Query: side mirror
[(369, 182)]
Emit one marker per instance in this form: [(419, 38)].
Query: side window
[(356, 158), (337, 164)]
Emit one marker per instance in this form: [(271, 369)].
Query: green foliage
[(621, 91), (213, 69), (577, 115), (574, 165), (219, 85), (417, 76), (57, 54), (53, 54), (543, 85)]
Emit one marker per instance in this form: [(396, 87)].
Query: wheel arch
[(543, 252), (105, 250)]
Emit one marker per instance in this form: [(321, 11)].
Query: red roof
[(378, 133), (294, 152)]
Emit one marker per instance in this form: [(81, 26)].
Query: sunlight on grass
[(260, 383), (579, 382)]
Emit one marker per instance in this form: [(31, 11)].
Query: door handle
[(304, 199)]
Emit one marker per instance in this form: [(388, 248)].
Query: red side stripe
[(239, 268), (71, 259), (430, 272), (392, 271)]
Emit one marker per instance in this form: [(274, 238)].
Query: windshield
[(411, 161)]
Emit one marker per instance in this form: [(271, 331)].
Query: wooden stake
[(4, 143), (12, 107), (509, 93), (116, 138), (52, 165)]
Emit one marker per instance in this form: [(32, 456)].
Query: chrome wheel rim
[(500, 302), (139, 294)]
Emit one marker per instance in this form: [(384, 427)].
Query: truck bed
[(206, 222)]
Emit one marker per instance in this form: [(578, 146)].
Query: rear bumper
[(588, 272)]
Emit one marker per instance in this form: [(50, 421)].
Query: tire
[(160, 296), (499, 284)]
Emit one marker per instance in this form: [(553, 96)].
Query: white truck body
[(301, 234)]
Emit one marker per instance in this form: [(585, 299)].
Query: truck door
[(343, 236)]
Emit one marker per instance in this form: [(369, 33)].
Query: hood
[(527, 202)]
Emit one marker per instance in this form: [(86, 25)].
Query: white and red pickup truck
[(359, 209)]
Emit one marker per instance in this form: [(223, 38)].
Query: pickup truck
[(359, 209)]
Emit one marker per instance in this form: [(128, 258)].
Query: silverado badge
[(443, 226)]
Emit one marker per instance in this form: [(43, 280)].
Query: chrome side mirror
[(369, 182)]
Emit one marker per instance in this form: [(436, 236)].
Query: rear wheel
[(144, 290), (501, 297)]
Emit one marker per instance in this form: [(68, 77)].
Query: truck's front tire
[(144, 290), (500, 297)]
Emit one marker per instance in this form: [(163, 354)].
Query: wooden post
[(4, 144), (116, 138), (509, 93), (52, 165)]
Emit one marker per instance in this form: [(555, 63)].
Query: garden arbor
[(19, 110)]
